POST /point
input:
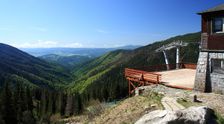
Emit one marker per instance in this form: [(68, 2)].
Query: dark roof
[(214, 9)]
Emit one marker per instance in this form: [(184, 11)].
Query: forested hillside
[(66, 61), (103, 78), (19, 67)]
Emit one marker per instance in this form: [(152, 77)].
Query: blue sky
[(97, 23)]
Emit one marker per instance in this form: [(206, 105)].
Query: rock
[(154, 105), (192, 115), (162, 93)]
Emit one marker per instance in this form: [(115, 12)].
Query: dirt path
[(212, 100), (171, 104)]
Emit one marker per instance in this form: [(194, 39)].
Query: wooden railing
[(138, 75), (189, 65), (148, 75), (163, 67)]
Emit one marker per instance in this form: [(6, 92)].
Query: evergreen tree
[(8, 110), (59, 101), (43, 103), (28, 118), (63, 105), (1, 120), (18, 103), (29, 100), (50, 103), (69, 106), (78, 106), (54, 99)]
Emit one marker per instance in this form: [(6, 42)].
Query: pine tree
[(78, 106), (18, 103), (54, 100), (29, 100), (59, 101), (8, 110), (63, 105), (28, 118), (43, 103), (69, 106), (50, 103)]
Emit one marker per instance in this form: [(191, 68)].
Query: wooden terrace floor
[(180, 78)]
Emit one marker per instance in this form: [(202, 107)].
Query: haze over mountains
[(91, 52), (70, 57), (66, 61)]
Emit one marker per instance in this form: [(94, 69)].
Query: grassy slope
[(126, 111), (18, 66), (109, 67)]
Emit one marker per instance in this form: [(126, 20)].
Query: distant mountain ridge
[(92, 52), (17, 66), (66, 61)]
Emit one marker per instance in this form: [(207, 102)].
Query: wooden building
[(212, 28), (210, 66)]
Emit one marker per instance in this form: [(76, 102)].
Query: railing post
[(129, 87), (177, 57)]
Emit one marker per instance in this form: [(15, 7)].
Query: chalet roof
[(214, 9)]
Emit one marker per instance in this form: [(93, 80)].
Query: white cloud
[(74, 45), (102, 31), (5, 29), (47, 44), (40, 29)]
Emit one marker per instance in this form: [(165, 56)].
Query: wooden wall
[(215, 41)]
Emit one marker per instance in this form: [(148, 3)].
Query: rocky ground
[(133, 108), (212, 100)]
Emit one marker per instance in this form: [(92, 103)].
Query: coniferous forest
[(22, 105)]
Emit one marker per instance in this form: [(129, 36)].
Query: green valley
[(19, 67)]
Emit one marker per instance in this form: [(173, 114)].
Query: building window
[(218, 25), (218, 66)]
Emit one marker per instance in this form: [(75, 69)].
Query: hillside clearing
[(126, 111)]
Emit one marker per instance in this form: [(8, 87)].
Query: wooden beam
[(129, 87)]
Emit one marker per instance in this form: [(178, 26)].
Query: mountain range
[(19, 67), (66, 61), (91, 52)]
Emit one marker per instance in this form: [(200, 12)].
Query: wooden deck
[(182, 78)]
